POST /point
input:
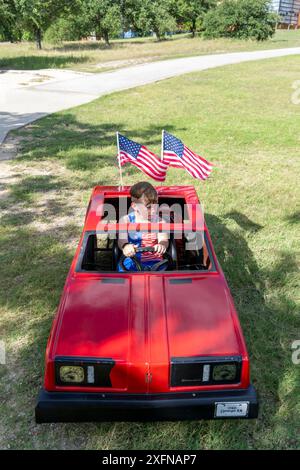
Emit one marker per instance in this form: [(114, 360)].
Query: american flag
[(140, 156), (176, 154)]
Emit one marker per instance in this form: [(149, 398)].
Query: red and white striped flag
[(141, 157), (178, 155)]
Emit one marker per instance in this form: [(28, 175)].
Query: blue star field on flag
[(141, 157), (129, 146), (178, 155), (173, 144)]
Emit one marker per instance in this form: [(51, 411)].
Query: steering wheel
[(165, 262)]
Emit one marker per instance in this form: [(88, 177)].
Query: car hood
[(146, 318)]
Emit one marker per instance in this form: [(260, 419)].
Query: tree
[(8, 20), (5, 13), (68, 28), (37, 15), (130, 13), (241, 19), (191, 12), (155, 15), (104, 17)]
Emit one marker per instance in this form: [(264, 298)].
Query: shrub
[(241, 19), (65, 29)]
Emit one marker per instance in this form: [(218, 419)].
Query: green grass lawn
[(242, 119), (95, 57)]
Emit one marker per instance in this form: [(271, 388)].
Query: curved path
[(27, 96)]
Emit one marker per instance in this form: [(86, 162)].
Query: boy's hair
[(146, 189)]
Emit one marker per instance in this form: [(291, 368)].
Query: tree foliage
[(68, 28), (5, 12), (191, 12), (104, 17), (241, 19), (155, 16), (37, 15), (75, 19), (130, 11), (8, 21)]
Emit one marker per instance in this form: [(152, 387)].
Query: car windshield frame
[(87, 233)]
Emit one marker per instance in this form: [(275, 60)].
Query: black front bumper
[(57, 407)]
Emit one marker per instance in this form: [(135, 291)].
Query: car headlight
[(224, 372), (71, 374), (196, 371), (83, 372)]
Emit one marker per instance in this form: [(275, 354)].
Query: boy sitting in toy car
[(144, 208)]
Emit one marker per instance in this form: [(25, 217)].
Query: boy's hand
[(160, 248), (129, 250)]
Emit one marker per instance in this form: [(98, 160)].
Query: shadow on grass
[(264, 317), (35, 62), (293, 219), (102, 46), (31, 185), (74, 143), (30, 200), (33, 268), (243, 221)]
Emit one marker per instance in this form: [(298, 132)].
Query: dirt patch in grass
[(36, 194), (9, 149)]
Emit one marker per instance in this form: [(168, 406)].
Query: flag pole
[(162, 149), (120, 168)]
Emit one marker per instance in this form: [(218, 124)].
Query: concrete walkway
[(27, 96)]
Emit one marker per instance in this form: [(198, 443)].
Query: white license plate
[(231, 409)]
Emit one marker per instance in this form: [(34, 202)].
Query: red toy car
[(147, 345)]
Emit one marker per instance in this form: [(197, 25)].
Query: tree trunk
[(193, 28), (157, 34), (38, 39), (106, 38)]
